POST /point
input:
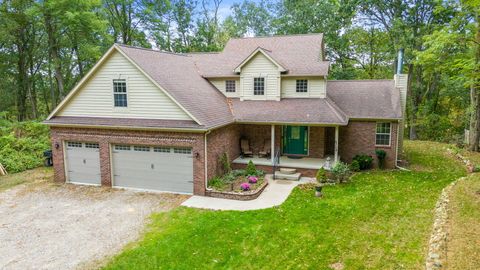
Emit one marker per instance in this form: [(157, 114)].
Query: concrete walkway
[(274, 194)]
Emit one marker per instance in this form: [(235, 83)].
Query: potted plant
[(321, 179)]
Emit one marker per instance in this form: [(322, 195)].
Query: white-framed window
[(182, 150), (92, 145), (302, 86), (74, 144), (259, 86), (120, 147), (230, 86), (383, 134), (161, 149), (120, 93), (141, 148)]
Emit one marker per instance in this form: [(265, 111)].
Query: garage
[(156, 168), (83, 163)]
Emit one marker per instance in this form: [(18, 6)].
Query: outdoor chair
[(245, 148), (267, 149)]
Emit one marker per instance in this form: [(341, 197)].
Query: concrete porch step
[(287, 176)]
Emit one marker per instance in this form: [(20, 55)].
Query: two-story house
[(153, 120)]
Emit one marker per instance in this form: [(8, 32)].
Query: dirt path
[(48, 226)]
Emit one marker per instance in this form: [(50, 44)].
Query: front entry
[(295, 140)]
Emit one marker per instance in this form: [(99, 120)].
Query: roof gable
[(173, 110), (253, 54)]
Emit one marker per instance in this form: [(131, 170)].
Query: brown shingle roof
[(123, 122), (288, 110), (299, 54), (177, 74), (367, 99)]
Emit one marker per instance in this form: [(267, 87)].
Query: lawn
[(29, 176), (379, 220), (463, 248)]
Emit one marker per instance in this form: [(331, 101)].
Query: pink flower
[(252, 179), (245, 186)]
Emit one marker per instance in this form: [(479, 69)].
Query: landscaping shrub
[(355, 166), (251, 169), (225, 162), (238, 172), (381, 155), (252, 179), (321, 175), (341, 171), (22, 144), (365, 161), (216, 182)]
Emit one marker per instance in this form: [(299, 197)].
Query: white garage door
[(83, 163), (153, 168)]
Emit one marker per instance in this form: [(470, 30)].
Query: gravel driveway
[(48, 226)]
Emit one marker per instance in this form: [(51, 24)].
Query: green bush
[(239, 172), (381, 155), (341, 171), (216, 182), (355, 166), (251, 169), (365, 161), (321, 175), (225, 163), (22, 144)]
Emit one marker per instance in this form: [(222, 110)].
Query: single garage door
[(153, 168), (83, 163)]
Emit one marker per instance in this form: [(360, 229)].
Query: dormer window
[(230, 86), (302, 86), (259, 86), (120, 93)]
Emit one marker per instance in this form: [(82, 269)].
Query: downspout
[(206, 162)]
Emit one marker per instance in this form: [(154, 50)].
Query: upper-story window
[(259, 86), (230, 86), (383, 134), (302, 86), (120, 93)]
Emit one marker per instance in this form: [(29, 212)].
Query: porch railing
[(276, 162)]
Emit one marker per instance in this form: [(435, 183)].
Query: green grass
[(380, 220), (464, 220)]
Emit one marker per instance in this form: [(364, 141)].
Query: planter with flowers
[(244, 184)]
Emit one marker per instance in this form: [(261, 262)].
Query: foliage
[(321, 175), (251, 169), (381, 155), (239, 172), (216, 182), (225, 162), (341, 171), (364, 161), (22, 145), (368, 208), (355, 166), (252, 179)]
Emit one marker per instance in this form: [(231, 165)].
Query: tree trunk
[(54, 55), (475, 96)]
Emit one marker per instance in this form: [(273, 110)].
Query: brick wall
[(219, 141), (359, 138), (106, 137), (317, 142)]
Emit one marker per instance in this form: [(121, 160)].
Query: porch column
[(272, 140), (336, 144)]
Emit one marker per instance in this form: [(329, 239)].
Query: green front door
[(295, 140)]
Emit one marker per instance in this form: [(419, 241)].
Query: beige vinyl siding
[(260, 66), (316, 87), (220, 85), (145, 100)]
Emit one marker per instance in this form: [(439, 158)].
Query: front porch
[(285, 161)]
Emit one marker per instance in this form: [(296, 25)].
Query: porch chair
[(245, 148), (267, 149)]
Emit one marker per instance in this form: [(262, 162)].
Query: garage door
[(83, 163), (153, 168)]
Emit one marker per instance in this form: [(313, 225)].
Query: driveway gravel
[(48, 226)]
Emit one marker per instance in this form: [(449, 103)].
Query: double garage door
[(134, 166)]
